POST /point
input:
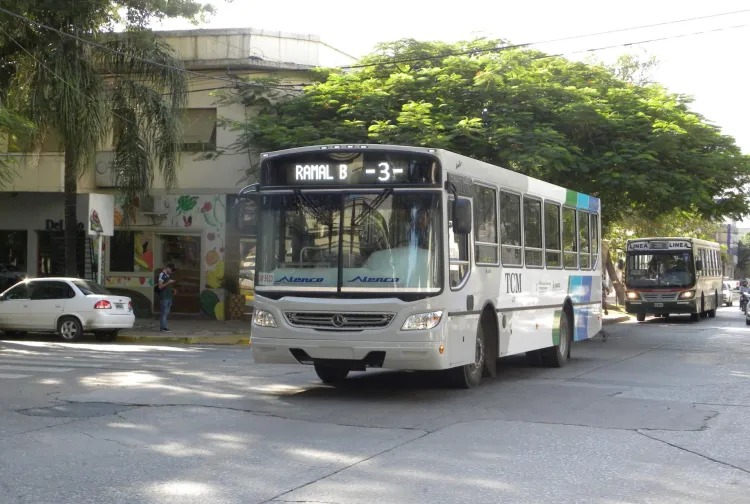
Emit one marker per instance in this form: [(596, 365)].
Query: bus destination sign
[(346, 169), (647, 245)]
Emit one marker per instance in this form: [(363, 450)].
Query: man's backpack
[(157, 290)]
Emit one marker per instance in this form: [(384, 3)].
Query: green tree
[(66, 71), (637, 147), (10, 125)]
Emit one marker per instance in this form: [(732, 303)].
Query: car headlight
[(632, 295), (263, 318), (422, 321), (687, 295)]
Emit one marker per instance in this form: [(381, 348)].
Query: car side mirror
[(461, 216)]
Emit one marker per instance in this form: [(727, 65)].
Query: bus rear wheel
[(469, 375), (557, 356), (330, 375)]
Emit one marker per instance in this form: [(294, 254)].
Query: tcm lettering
[(318, 172), (373, 279), (513, 282), (292, 279)]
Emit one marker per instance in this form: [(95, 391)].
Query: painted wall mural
[(185, 213)]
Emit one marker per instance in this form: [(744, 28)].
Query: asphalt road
[(657, 413)]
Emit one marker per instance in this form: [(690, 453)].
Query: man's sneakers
[(164, 330)]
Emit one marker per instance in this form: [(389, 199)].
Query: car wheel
[(69, 329)]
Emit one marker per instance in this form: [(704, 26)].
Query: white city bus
[(373, 256), (672, 275)]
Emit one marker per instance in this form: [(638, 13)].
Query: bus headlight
[(687, 295), (632, 295), (422, 321), (263, 318)]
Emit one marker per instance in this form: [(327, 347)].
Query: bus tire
[(640, 317), (557, 356), (469, 375), (330, 375), (712, 311), (695, 317)]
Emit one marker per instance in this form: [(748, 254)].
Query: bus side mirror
[(699, 265), (461, 216), (243, 214)]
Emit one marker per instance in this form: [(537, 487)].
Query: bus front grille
[(659, 297), (343, 321)]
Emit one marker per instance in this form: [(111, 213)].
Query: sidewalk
[(193, 331)]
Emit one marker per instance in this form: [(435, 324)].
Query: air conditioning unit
[(146, 205)]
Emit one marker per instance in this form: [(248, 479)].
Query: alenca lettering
[(293, 279), (373, 279)]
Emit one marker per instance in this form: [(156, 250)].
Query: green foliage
[(637, 147), (11, 125)]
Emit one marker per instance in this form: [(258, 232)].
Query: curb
[(615, 320), (230, 339)]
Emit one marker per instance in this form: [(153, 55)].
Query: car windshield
[(384, 241), (662, 269), (90, 288)]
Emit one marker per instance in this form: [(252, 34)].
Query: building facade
[(185, 225)]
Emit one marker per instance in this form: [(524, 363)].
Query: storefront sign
[(101, 214)]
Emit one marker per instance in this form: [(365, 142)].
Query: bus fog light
[(422, 321), (632, 295), (687, 295), (263, 318)]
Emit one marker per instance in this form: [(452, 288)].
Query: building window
[(199, 130), (131, 252)]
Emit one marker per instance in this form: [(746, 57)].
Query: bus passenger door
[(462, 321)]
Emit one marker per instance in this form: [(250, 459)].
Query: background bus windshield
[(380, 241), (660, 269)]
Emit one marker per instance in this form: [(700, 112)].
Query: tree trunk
[(71, 223)]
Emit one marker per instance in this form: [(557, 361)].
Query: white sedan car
[(66, 306)]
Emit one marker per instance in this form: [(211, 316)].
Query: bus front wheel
[(640, 317), (330, 375), (469, 375)]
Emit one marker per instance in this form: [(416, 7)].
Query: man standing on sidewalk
[(166, 294)]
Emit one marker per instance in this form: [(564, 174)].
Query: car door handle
[(58, 306)]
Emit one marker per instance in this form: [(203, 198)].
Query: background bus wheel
[(330, 375), (469, 375), (640, 317), (557, 356), (695, 317)]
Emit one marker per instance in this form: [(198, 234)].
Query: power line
[(562, 39)]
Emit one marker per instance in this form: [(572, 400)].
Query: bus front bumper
[(360, 354), (663, 308)]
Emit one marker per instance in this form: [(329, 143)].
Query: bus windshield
[(660, 269), (381, 241)]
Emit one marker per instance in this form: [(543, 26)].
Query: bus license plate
[(658, 305)]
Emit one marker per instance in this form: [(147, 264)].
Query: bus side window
[(458, 249)]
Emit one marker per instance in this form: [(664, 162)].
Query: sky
[(700, 50)]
